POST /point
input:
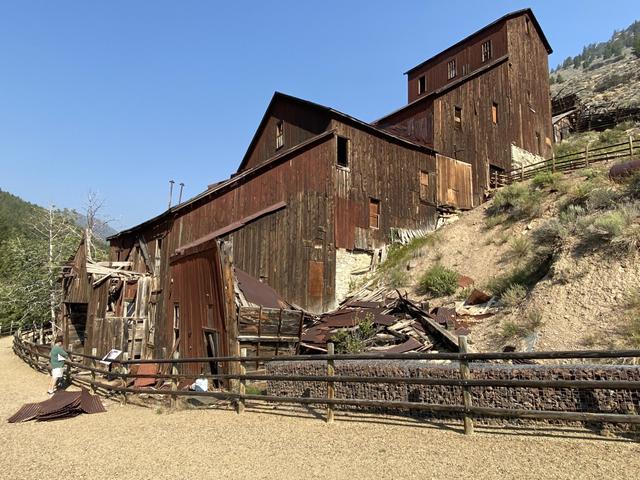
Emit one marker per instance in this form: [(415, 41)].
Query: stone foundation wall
[(346, 263), (520, 157), (597, 401)]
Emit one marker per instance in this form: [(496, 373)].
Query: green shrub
[(520, 247), (439, 281), (550, 234), (354, 341), (533, 321), (398, 253), (511, 330), (517, 201), (495, 220), (610, 224), (602, 199), (513, 296), (546, 179)]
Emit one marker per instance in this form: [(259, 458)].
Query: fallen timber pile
[(399, 324)]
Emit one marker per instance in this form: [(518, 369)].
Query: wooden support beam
[(465, 374)]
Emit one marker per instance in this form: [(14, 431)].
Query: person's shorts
[(57, 372)]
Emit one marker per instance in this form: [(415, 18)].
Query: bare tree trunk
[(52, 295)]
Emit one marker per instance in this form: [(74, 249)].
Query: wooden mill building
[(319, 194), (484, 100)]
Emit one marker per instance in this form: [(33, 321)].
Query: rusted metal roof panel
[(257, 292)]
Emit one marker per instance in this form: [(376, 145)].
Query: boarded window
[(457, 116), (157, 257), (494, 113), (176, 316), (422, 85), (424, 186), (374, 213), (315, 286), (465, 69), (486, 51), (343, 151), (451, 69), (279, 134)]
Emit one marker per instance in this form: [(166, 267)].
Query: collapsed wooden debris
[(399, 326)]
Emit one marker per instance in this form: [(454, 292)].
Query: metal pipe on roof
[(171, 182), (180, 196)]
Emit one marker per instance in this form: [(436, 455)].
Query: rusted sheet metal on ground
[(62, 404), (476, 297), (625, 169)]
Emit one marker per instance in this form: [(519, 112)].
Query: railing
[(237, 379), (569, 162)]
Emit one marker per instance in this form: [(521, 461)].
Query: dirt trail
[(138, 443)]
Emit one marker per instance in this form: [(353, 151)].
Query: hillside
[(559, 254), (33, 248), (605, 76)]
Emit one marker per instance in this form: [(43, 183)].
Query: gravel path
[(138, 443)]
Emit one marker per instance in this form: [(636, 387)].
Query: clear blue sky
[(121, 96)]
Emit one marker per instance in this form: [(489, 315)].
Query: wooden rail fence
[(82, 366), (567, 163)]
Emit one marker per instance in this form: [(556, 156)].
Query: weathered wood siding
[(379, 169), (468, 53), (529, 93), (300, 123), (455, 183), (414, 122), (476, 140)]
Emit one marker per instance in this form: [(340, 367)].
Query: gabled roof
[(240, 175), (282, 97), (508, 16)]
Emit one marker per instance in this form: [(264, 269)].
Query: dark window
[(494, 113), (279, 134), (424, 186), (527, 27), (422, 85), (451, 69), (343, 151), (457, 116), (374, 213), (486, 51)]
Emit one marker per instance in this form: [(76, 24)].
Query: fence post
[(630, 147), (94, 352), (553, 162), (174, 379), (465, 374), (124, 369), (586, 155), (331, 391), (242, 384), (522, 171)]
